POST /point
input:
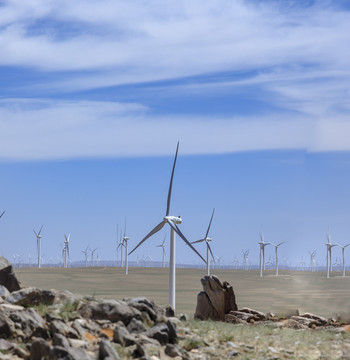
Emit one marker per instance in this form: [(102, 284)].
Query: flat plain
[(302, 290)]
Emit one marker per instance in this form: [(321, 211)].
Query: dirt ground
[(306, 291)]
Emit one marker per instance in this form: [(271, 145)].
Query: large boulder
[(217, 299), (7, 276)]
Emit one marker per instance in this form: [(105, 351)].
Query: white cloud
[(45, 130)]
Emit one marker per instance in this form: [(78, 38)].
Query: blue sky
[(95, 95)]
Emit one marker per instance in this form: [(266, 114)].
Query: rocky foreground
[(40, 324)]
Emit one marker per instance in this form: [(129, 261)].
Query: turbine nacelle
[(173, 219), (208, 239), (126, 238)]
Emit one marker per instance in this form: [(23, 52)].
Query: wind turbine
[(207, 239), (245, 257), (125, 241), (162, 245), (66, 250), (343, 256), (92, 256), (262, 252), (312, 260), (276, 254), (172, 221), (329, 254), (85, 252), (38, 240), (121, 244)]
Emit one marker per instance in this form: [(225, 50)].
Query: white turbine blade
[(261, 236), (164, 240), (35, 233), (346, 245), (40, 229), (68, 237), (2, 214), (197, 241), (125, 227), (280, 244), (182, 236), (212, 255), (171, 182), (211, 219), (152, 232)]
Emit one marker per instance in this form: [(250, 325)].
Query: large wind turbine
[(207, 239), (276, 254), (162, 245), (262, 252), (38, 238), (343, 256), (172, 221), (329, 246), (125, 242), (66, 250), (245, 258)]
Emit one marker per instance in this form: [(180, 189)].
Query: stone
[(217, 299), (122, 335), (30, 297), (136, 326), (144, 305), (258, 314), (39, 350), (248, 317), (232, 319), (60, 353), (173, 350), (60, 340), (159, 332), (5, 345), (7, 276), (4, 292), (183, 317), (319, 320), (171, 332), (57, 326), (107, 352)]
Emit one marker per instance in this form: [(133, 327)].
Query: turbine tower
[(66, 250), (276, 254), (125, 242), (38, 238), (92, 256), (172, 221), (343, 256), (162, 245), (121, 244), (207, 239), (86, 253), (262, 252), (245, 257), (329, 246)]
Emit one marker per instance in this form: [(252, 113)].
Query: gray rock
[(61, 327), (107, 351), (60, 340), (205, 309), (39, 350), (144, 305), (122, 335), (136, 326), (5, 345), (30, 297), (4, 292), (60, 353), (171, 332), (174, 351), (159, 332), (183, 317), (114, 311), (7, 276)]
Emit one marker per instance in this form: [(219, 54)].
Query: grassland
[(305, 291)]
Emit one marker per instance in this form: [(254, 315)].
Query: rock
[(318, 319), (230, 318), (63, 296), (159, 332), (107, 352), (173, 350), (122, 335), (293, 324), (4, 292), (136, 326), (111, 310), (39, 350), (5, 345), (245, 316), (31, 297), (7, 276), (60, 340), (171, 332), (60, 353), (60, 327), (183, 317), (216, 300), (258, 314), (144, 305)]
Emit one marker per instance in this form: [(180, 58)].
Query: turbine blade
[(2, 214), (198, 241), (152, 232), (40, 229), (182, 236), (171, 182), (35, 233), (125, 227), (212, 255), (164, 239), (211, 219), (280, 243)]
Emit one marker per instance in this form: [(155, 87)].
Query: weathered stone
[(60, 340), (4, 292), (159, 332), (144, 305), (122, 335), (258, 314), (5, 345), (61, 327), (60, 353), (31, 297), (248, 317), (293, 324), (169, 311), (136, 326), (114, 311), (319, 320), (171, 332), (63, 296), (7, 276), (107, 352), (205, 309), (39, 350), (183, 317), (173, 350), (232, 319)]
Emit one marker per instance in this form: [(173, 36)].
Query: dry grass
[(305, 291)]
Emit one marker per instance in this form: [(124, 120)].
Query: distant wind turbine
[(343, 256), (262, 252), (276, 254), (66, 250), (92, 256), (125, 242), (121, 245), (38, 241), (207, 239), (86, 253), (329, 246), (245, 258), (172, 221), (312, 260), (162, 245)]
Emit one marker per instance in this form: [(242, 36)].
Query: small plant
[(68, 310), (41, 309), (193, 343)]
